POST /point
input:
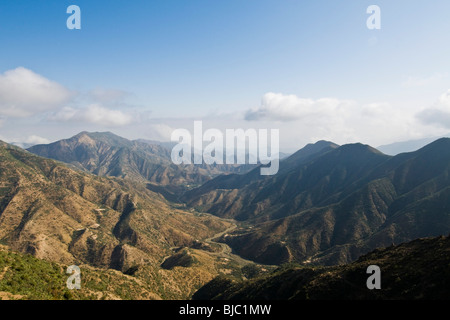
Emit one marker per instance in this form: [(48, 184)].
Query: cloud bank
[(95, 114), (24, 93), (439, 113), (334, 119), (280, 107)]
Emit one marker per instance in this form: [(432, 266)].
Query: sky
[(140, 69)]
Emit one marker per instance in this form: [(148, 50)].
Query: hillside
[(409, 271), (246, 196), (26, 277), (336, 205), (407, 146), (328, 205), (313, 180), (66, 216), (106, 154)]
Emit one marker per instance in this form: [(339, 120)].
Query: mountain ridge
[(339, 205), (58, 214), (416, 270), (328, 205), (106, 154)]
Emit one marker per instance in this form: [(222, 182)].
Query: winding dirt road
[(227, 252)]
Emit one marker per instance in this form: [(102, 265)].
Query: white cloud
[(29, 141), (34, 139), (342, 121), (95, 114), (160, 131), (24, 93), (280, 107), (439, 113)]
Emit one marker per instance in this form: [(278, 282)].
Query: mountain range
[(106, 154), (334, 204), (105, 202), (56, 213), (410, 271), (407, 146)]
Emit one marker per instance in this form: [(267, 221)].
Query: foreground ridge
[(412, 270)]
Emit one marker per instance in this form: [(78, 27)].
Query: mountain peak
[(107, 154), (359, 147), (442, 144), (324, 143), (106, 137), (97, 134), (309, 151)]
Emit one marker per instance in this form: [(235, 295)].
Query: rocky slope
[(66, 216), (333, 206), (106, 154), (409, 271)]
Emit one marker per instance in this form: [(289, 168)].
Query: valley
[(191, 151), (409, 271), (225, 250), (121, 211)]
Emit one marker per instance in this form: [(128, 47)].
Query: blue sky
[(310, 68)]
